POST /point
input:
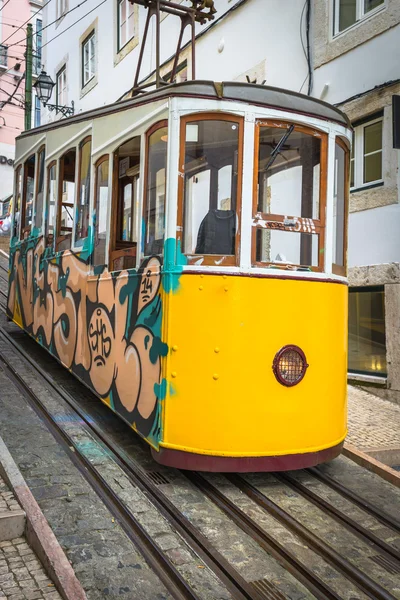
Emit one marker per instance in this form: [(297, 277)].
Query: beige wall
[(327, 47)]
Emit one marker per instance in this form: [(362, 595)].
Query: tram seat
[(217, 233)]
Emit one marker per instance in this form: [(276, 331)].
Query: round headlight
[(290, 365)]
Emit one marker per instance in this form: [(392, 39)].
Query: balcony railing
[(3, 55)]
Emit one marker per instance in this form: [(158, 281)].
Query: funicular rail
[(199, 543)]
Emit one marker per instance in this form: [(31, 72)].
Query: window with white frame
[(366, 155), (61, 8), (61, 87), (88, 58), (349, 12), (126, 22)]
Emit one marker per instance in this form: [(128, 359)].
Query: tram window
[(289, 176), (40, 190), (154, 211), (17, 201), (290, 183), (27, 196), (101, 202), (66, 196), (126, 205), (82, 221), (285, 247), (51, 204), (339, 207), (210, 187)]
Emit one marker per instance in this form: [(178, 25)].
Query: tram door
[(125, 206)]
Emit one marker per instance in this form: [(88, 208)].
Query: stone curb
[(38, 532), (371, 464)]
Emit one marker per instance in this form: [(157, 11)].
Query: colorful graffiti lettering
[(105, 328)]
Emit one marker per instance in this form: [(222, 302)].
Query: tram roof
[(249, 93)]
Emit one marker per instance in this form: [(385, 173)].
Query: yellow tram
[(183, 253)]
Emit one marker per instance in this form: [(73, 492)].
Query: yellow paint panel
[(226, 332)]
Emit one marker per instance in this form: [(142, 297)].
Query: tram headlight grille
[(290, 365)]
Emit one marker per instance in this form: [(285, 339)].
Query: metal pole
[(28, 77)]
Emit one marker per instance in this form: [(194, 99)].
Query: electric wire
[(4, 5), (25, 22)]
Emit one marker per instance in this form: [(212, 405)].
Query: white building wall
[(374, 236)]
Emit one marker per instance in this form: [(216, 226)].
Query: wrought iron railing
[(3, 55)]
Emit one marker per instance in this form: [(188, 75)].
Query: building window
[(349, 12), (367, 339), (289, 207), (88, 58), (366, 157), (126, 22), (38, 57), (3, 55), (61, 8), (61, 87), (37, 112)]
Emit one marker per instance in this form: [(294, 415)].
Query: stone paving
[(373, 422), (22, 576), (7, 498)]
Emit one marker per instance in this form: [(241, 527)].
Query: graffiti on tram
[(105, 328)]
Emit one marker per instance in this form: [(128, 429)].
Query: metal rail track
[(158, 562), (239, 587), (380, 515), (360, 579), (338, 515)]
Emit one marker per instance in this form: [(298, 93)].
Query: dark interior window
[(40, 190), (27, 200), (66, 197), (123, 254), (155, 192)]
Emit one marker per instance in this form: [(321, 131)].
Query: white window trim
[(87, 41), (361, 17), (359, 156), (60, 72), (129, 7)]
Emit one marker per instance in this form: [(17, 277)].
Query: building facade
[(14, 16), (357, 67)]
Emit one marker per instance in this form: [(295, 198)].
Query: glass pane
[(347, 13), (82, 222), (371, 4), (211, 153), (367, 341), (339, 206), (287, 247), (373, 137), (101, 213), (352, 173), (67, 167), (29, 191), (373, 167), (39, 197), (17, 199), (51, 205), (127, 225), (155, 192), (288, 173)]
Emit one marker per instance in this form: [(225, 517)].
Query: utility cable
[(5, 102), (75, 22), (5, 4), (53, 22), (27, 21)]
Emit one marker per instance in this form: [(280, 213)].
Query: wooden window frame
[(104, 158), (17, 174), (149, 132), (52, 164), (342, 269), (130, 250), (271, 219), (84, 141), (37, 174), (60, 238), (212, 260), (25, 231)]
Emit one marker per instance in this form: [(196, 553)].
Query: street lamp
[(44, 86)]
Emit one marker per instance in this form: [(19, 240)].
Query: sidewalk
[(374, 426)]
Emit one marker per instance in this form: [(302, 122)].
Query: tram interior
[(29, 190), (288, 184), (67, 194), (211, 157)]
